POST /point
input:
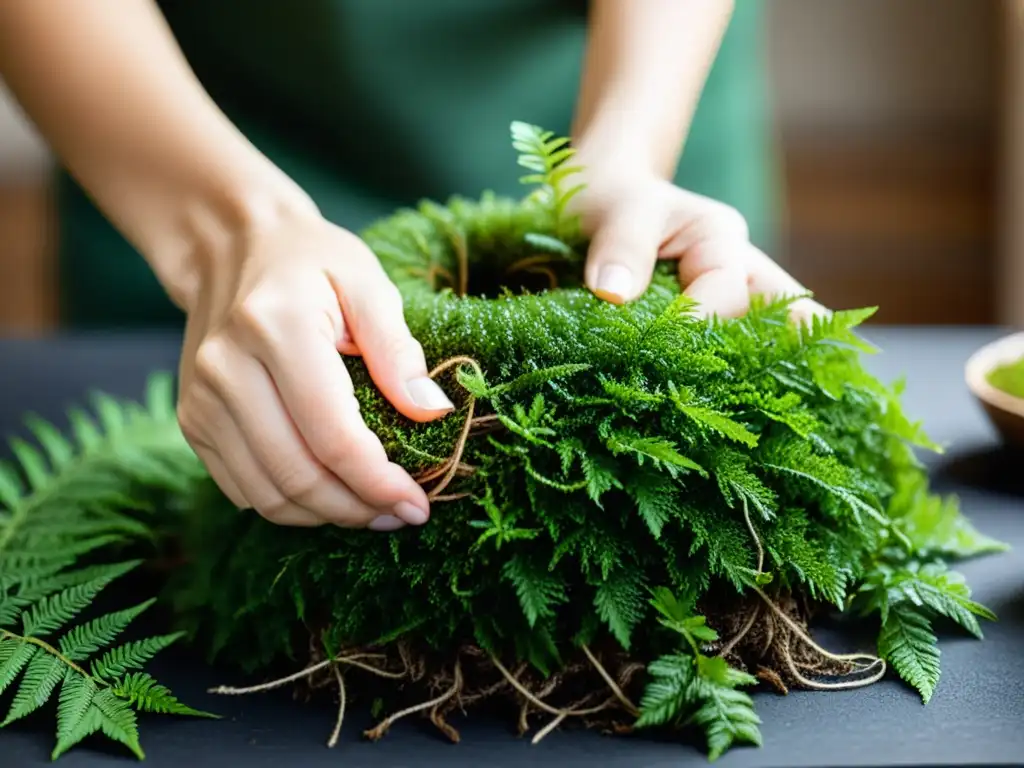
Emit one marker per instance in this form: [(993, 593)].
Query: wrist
[(617, 148), (205, 232)]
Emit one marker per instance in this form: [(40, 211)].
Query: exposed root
[(336, 733), (616, 690), (381, 728), (598, 688), (770, 676), (858, 659), (743, 632), (307, 673)]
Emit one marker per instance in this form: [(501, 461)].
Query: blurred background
[(901, 137)]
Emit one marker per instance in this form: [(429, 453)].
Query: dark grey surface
[(975, 718)]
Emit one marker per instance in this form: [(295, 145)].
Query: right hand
[(266, 400)]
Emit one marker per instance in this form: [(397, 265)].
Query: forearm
[(643, 74), (107, 86)]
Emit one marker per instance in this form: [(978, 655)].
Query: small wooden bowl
[(1005, 411)]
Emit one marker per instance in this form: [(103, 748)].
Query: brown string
[(451, 466)]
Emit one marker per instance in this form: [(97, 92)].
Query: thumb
[(622, 254), (374, 318)]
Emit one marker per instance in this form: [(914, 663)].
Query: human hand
[(266, 400), (634, 219)]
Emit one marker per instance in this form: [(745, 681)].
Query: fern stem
[(50, 650)]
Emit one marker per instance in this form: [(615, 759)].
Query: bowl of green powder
[(995, 375)]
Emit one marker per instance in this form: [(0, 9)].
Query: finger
[(770, 280), (298, 350), (373, 312), (243, 470), (260, 422), (222, 476), (721, 291), (275, 442), (623, 252)]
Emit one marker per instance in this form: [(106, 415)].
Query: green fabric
[(375, 104)]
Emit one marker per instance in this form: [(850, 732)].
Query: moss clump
[(1008, 377), (636, 510)]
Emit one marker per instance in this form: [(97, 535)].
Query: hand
[(634, 220), (266, 400)]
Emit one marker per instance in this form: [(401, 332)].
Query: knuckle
[(295, 481), (258, 313), (725, 220), (189, 422), (211, 361)]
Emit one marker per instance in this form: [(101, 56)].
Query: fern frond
[(619, 603), (83, 497), (907, 642)]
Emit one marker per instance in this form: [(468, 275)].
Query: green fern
[(610, 448), (908, 643), (692, 687), (86, 497), (547, 156)]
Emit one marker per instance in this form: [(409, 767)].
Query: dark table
[(975, 718)]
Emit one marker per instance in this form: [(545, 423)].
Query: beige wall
[(881, 64)]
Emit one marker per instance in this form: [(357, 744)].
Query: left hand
[(634, 220)]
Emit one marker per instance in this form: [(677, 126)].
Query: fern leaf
[(538, 590), (53, 612), (715, 421), (654, 503), (32, 463), (669, 692), (73, 725), (726, 714), (116, 719), (86, 639), (659, 451), (907, 642), (41, 677), (18, 655), (147, 695), (619, 603)]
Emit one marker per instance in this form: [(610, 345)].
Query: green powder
[(1009, 377)]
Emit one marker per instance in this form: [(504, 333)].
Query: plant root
[(378, 731), (770, 638), (766, 635)]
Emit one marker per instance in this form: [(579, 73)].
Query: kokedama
[(636, 512)]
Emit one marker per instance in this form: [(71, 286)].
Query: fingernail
[(386, 523), (427, 395), (410, 513), (614, 283)]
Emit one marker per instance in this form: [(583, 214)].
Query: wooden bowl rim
[(1003, 350)]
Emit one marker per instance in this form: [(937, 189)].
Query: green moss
[(1009, 377), (650, 487), (648, 510)]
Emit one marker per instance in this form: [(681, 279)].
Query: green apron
[(372, 105)]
